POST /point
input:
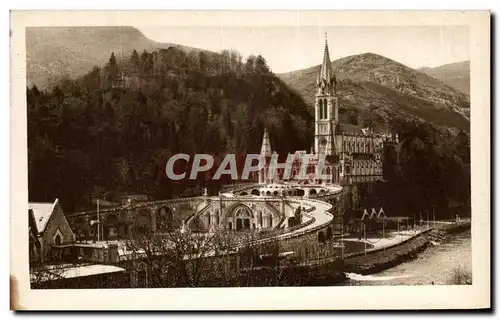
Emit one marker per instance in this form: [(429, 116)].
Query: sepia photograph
[(164, 155)]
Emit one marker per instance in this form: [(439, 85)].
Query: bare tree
[(178, 259)]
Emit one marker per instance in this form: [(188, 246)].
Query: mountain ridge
[(370, 82), (54, 53), (456, 74)]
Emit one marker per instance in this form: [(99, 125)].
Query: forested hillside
[(114, 128), (430, 168)]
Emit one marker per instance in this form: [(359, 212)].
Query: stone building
[(48, 229)]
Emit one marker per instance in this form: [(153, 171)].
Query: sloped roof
[(42, 211)]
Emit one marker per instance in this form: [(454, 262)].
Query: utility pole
[(433, 218), (364, 231), (413, 222), (383, 230), (342, 235), (98, 221), (398, 230)]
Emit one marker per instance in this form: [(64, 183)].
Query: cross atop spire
[(326, 77)]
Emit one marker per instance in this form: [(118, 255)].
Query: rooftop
[(68, 272), (42, 212)]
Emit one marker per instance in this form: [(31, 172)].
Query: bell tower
[(326, 107)]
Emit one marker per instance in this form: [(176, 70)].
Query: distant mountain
[(456, 75), (374, 89), (53, 53)]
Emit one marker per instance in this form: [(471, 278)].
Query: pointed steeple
[(266, 150), (326, 77)]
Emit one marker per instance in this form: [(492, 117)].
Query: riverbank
[(381, 259), (385, 257), (437, 265)]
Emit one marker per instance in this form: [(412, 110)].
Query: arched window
[(58, 240), (325, 110), (58, 237), (320, 109)]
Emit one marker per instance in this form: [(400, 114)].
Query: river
[(435, 264)]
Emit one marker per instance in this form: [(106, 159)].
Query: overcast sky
[(291, 48)]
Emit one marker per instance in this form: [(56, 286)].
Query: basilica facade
[(345, 157)]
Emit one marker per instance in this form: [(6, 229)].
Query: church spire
[(266, 150), (326, 77)]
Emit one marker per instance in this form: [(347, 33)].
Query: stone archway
[(312, 192), (164, 219), (242, 217), (255, 192)]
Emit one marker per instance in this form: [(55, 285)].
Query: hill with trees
[(56, 53), (115, 127)]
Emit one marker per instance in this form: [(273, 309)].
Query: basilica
[(353, 156)]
